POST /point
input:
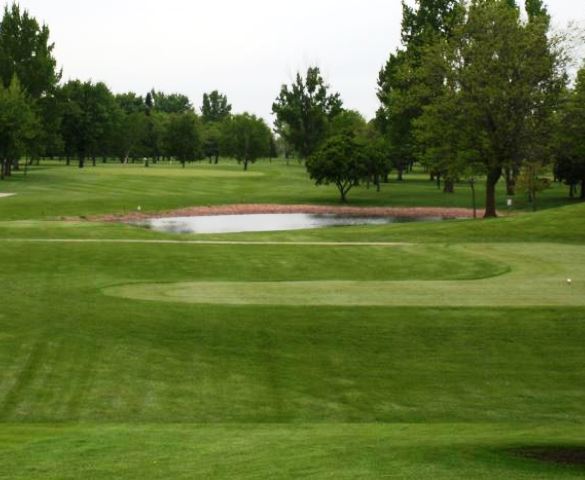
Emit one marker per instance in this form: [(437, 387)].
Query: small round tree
[(342, 161)]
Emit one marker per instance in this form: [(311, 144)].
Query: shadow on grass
[(554, 455)]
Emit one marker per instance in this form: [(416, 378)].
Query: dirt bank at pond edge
[(249, 209)]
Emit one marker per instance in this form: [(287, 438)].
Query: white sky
[(244, 48)]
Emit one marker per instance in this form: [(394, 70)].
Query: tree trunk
[(81, 162), (473, 198), (583, 189), (5, 169), (400, 173), (510, 183), (449, 186), (490, 200)]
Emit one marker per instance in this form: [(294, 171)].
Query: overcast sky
[(244, 48)]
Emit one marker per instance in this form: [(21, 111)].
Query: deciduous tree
[(570, 143), (304, 110), (183, 137), (247, 138), (215, 107), (503, 78), (18, 125), (25, 51), (341, 161)]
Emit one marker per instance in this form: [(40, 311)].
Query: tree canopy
[(18, 125), (25, 52), (570, 142), (342, 161), (304, 110), (247, 138), (500, 81), (215, 107)]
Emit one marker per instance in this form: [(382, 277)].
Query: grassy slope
[(100, 387)]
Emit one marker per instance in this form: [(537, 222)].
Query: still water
[(267, 222)]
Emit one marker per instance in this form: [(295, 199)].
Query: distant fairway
[(444, 351), (202, 171), (52, 189)]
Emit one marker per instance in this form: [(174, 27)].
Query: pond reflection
[(268, 222)]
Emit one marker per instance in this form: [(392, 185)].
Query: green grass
[(54, 190), (334, 451), (479, 353)]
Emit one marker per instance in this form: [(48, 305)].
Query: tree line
[(477, 90), (85, 121)]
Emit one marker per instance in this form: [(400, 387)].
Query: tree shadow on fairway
[(553, 455)]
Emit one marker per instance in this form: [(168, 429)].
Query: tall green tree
[(89, 118), (18, 125), (215, 107), (304, 110), (212, 141), (247, 138), (401, 101), (25, 51), (183, 137), (504, 79), (570, 138)]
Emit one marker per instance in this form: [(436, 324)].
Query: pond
[(267, 222)]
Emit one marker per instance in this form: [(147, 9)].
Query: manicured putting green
[(538, 276)]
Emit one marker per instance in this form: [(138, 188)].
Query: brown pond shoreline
[(251, 209)]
